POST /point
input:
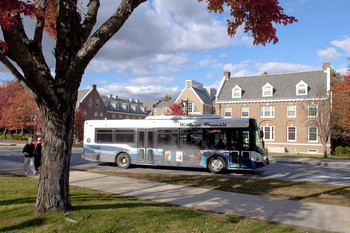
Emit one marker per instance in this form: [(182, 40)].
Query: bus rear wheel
[(216, 165), (123, 160)]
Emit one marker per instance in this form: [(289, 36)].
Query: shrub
[(339, 151)]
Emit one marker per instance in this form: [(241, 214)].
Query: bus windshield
[(258, 141)]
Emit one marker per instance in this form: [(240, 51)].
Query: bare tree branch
[(90, 19), (39, 29)]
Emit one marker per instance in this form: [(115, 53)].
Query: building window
[(192, 108), (85, 115), (267, 111), (97, 103), (227, 112), (90, 102), (301, 88), (291, 111), (312, 134), (245, 111), (312, 110), (269, 132), (267, 90), (292, 133), (96, 116), (236, 92), (113, 116), (126, 107), (101, 116)]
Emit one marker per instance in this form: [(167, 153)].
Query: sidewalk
[(302, 214), (311, 161)]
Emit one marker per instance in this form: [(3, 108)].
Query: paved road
[(280, 169)]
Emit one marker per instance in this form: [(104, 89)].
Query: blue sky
[(166, 42)]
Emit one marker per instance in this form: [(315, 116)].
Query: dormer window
[(236, 92), (267, 90), (302, 88)]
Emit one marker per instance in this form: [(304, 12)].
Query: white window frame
[(301, 88), (192, 108), (272, 132), (263, 111), (312, 108), (308, 134), (236, 92), (101, 115), (289, 110), (228, 110), (97, 103), (295, 133), (96, 115), (90, 102), (267, 90), (245, 109)]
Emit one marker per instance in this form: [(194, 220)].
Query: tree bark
[(53, 188)]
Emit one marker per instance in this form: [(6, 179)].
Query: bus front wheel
[(123, 160), (216, 165)]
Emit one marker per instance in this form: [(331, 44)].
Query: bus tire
[(123, 160), (217, 165)]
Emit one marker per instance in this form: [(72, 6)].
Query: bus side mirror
[(261, 134)]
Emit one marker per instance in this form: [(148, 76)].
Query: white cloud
[(343, 44), (142, 93), (279, 67), (329, 53), (155, 80), (159, 34)]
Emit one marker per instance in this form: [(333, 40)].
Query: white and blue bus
[(211, 142)]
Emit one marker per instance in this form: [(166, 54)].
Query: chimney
[(227, 75), (93, 86), (326, 65)]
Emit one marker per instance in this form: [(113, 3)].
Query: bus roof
[(183, 117), (174, 122)]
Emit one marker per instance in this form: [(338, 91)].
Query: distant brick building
[(98, 107), (194, 99), (281, 103)]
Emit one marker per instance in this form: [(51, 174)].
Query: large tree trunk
[(53, 189)]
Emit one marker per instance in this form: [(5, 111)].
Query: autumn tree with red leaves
[(341, 110), (79, 125), (175, 109), (76, 46), (18, 109)]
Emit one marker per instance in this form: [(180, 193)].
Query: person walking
[(28, 151), (37, 154)]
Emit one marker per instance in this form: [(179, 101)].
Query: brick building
[(98, 107), (194, 98), (282, 104)]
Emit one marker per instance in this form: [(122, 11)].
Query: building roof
[(204, 96), (284, 86), (112, 102), (165, 104)]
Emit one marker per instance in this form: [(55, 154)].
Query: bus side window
[(124, 136), (246, 140), (104, 136), (168, 138)]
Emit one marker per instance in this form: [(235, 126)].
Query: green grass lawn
[(104, 212), (321, 193)]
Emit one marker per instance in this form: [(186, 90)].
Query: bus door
[(145, 146), (240, 140)]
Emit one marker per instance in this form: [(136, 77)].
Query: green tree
[(76, 46), (166, 98)]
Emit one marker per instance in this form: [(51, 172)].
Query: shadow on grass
[(30, 223), (17, 201)]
